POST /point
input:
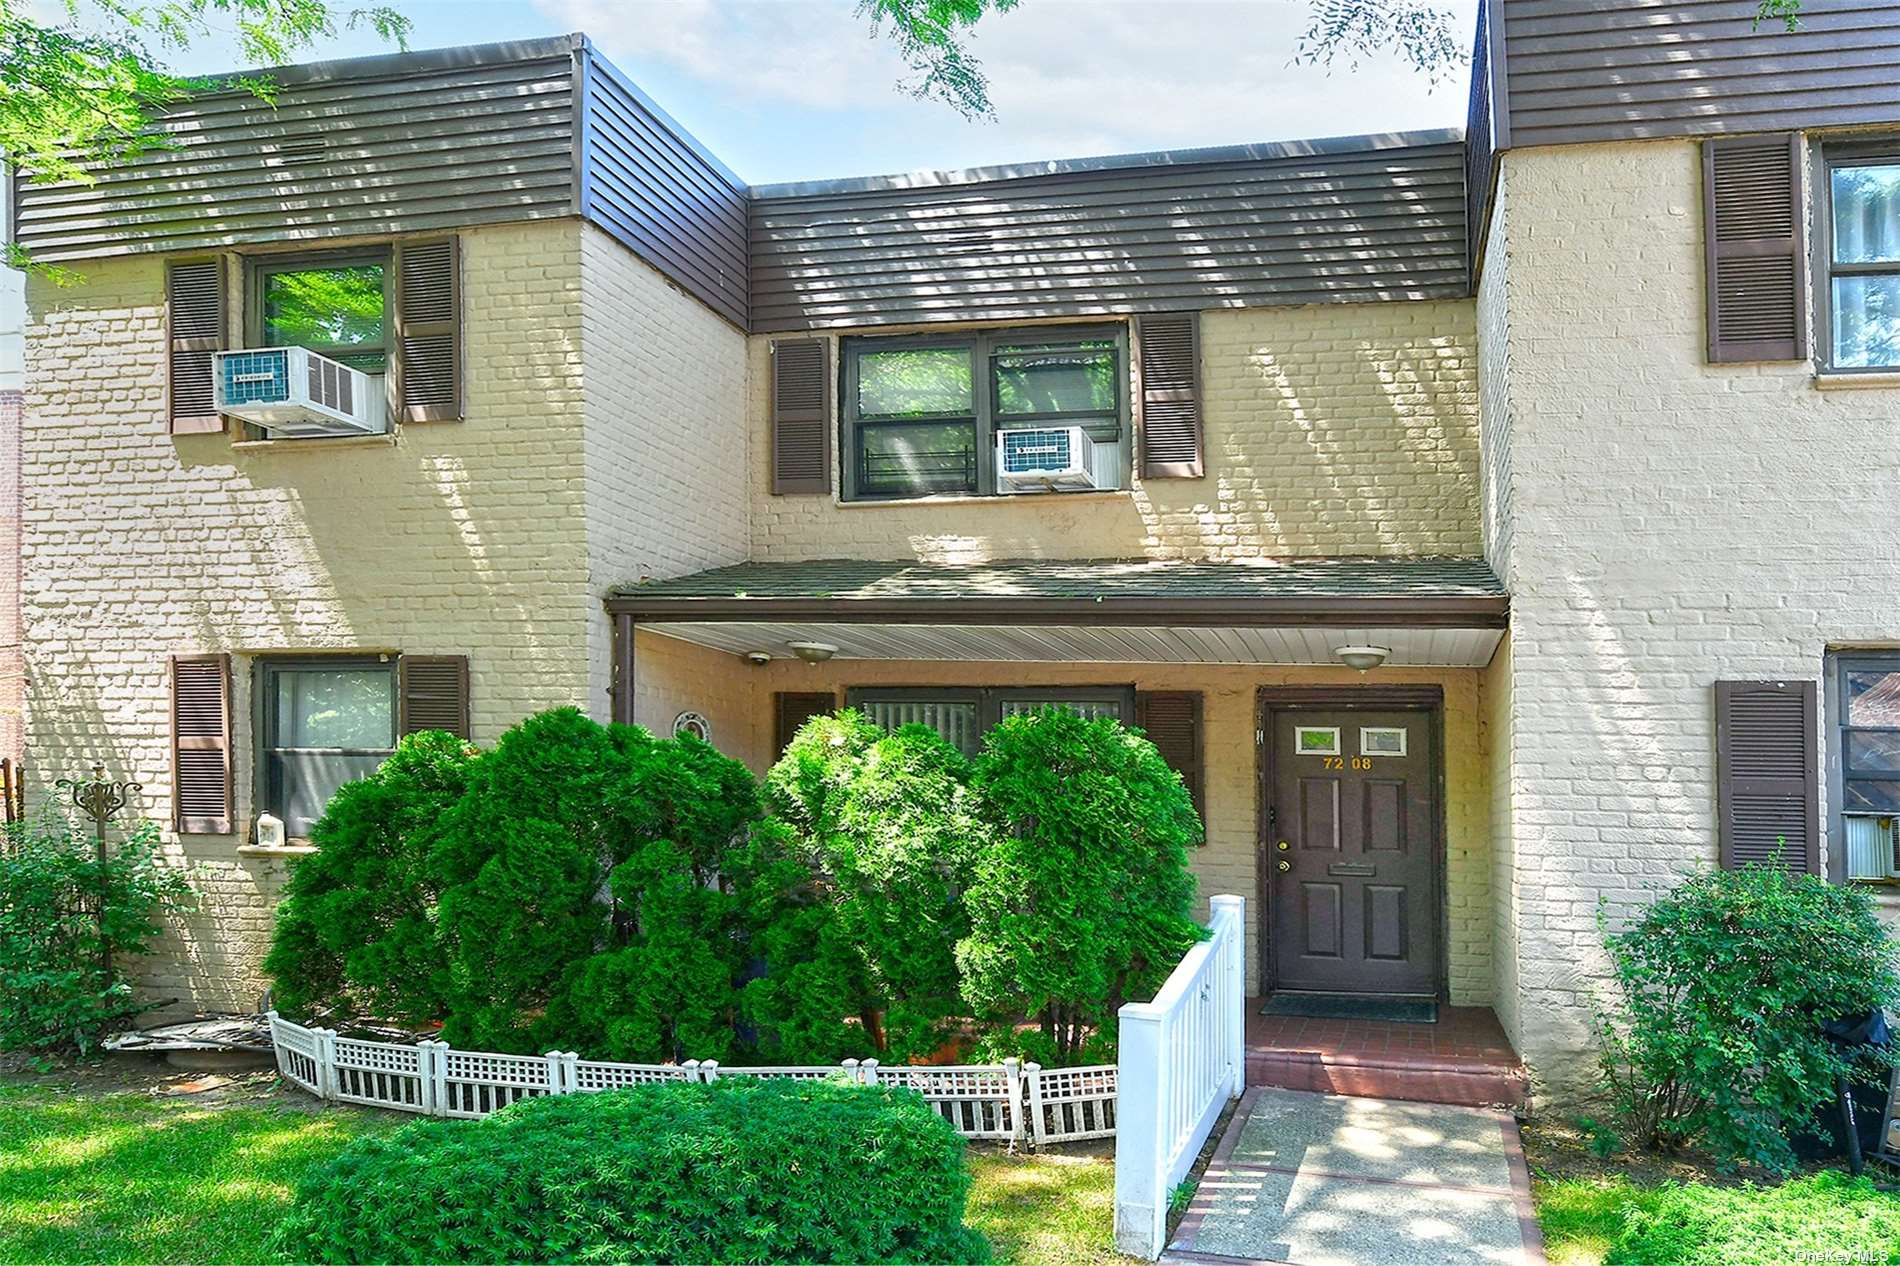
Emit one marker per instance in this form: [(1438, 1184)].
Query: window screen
[(324, 724)]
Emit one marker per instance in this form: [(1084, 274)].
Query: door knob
[(1285, 865)]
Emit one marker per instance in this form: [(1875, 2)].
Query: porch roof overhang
[(1448, 612)]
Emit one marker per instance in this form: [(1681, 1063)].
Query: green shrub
[(1722, 985), (356, 933), (740, 1171), (1826, 1217), (884, 822), (1082, 901), (68, 921)]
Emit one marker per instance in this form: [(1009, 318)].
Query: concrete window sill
[(315, 442), (294, 849), (1857, 382), (976, 499)]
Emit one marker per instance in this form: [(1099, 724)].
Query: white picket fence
[(1182, 1059), (1011, 1101)]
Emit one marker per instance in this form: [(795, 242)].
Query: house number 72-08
[(1339, 762)]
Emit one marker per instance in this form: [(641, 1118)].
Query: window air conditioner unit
[(293, 393), (1048, 458)]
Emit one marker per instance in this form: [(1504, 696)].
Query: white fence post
[(1234, 984), (1141, 1206), (435, 1077), (709, 1071), (1032, 1078), (326, 1062), (1013, 1104), (867, 1071)]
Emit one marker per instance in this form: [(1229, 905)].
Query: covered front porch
[(1368, 864)]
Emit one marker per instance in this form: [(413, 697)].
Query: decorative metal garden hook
[(99, 799)]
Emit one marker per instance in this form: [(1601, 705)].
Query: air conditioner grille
[(1026, 452), (330, 385), (261, 377)]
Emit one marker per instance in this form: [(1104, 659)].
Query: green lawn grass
[(1823, 1217), (127, 1177)]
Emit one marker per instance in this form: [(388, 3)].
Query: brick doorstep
[(1414, 1079)]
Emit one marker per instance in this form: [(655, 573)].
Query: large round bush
[(740, 1171)]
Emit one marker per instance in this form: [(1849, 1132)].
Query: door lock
[(1284, 846), (1285, 865)]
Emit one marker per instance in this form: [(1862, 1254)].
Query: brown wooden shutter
[(194, 327), (201, 745), (1756, 270), (1171, 396), (1172, 721), (429, 331), (801, 390), (434, 693), (792, 709), (1767, 774)]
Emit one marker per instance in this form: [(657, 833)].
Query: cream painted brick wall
[(462, 537), (674, 674), (665, 437), (1330, 429), (1674, 523)]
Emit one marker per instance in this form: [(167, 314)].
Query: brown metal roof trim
[(1462, 612)]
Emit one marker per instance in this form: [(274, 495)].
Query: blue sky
[(798, 89)]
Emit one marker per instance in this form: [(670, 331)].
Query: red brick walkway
[(1462, 1059)]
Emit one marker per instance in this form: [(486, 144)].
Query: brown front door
[(1351, 871)]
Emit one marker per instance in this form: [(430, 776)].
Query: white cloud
[(1068, 77)]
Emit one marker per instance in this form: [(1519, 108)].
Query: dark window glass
[(916, 458), (963, 715), (1864, 270), (339, 311), (1074, 378), (323, 726), (916, 382)]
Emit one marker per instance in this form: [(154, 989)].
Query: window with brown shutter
[(429, 331), (1756, 261), (1171, 396), (801, 450), (194, 326), (201, 745), (791, 709), (433, 693), (1172, 721), (1767, 773)]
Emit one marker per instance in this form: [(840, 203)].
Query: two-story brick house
[(1478, 531)]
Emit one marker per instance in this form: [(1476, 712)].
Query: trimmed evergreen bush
[(739, 1171), (67, 924), (1083, 899), (885, 824), (356, 932), (1722, 985)]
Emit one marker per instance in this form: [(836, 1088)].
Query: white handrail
[(1183, 1057)]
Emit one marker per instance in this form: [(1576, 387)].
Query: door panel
[(1356, 909)]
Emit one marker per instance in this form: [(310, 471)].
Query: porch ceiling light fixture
[(1362, 657), (813, 652)]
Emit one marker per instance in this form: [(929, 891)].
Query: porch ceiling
[(1440, 647)]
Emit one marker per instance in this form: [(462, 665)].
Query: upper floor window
[(1867, 740), (1863, 260), (921, 414), (337, 304)]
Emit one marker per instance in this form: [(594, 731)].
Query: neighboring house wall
[(12, 658), (459, 538), (1674, 522), (676, 675), (664, 391), (1347, 428)]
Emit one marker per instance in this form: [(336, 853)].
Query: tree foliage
[(68, 921), (1713, 1036), (888, 831), (1082, 900), (356, 932), (933, 38), (84, 87)]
